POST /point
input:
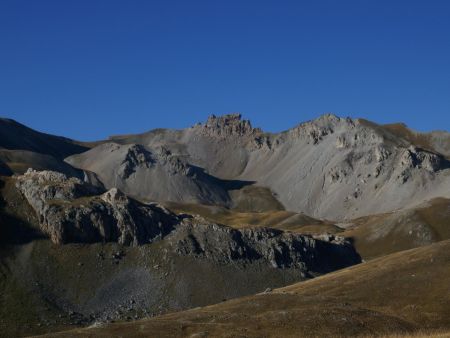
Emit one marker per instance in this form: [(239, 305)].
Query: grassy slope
[(401, 293), (420, 140), (241, 218), (379, 235), (373, 236)]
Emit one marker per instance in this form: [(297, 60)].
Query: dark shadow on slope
[(236, 184), (14, 230), (241, 195), (16, 136), (223, 183), (442, 162)]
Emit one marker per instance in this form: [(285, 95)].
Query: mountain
[(22, 148), (373, 236), (16, 136), (399, 294), (333, 168), (151, 174), (436, 141), (139, 226), (72, 253), (329, 168)]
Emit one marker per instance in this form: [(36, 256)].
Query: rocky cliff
[(73, 211)]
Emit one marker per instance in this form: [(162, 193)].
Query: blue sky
[(89, 68)]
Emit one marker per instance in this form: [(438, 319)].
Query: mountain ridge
[(142, 225), (329, 167), (309, 167)]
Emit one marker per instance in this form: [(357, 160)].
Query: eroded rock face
[(152, 174), (137, 156), (71, 210), (277, 248), (228, 125)]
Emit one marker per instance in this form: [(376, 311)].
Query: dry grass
[(420, 334), (278, 219), (378, 235), (405, 294), (418, 139)]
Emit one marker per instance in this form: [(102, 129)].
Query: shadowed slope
[(151, 174), (404, 292), (22, 148), (173, 262), (16, 136)]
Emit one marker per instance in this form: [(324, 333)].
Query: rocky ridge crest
[(72, 211), (228, 125), (277, 248)]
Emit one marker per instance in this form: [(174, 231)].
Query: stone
[(70, 211)]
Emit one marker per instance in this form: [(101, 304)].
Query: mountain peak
[(228, 125)]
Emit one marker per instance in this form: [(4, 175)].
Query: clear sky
[(90, 68)]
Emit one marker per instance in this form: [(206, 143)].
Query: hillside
[(144, 227), (22, 148), (401, 293), (373, 236), (328, 168), (151, 174), (16, 136), (72, 254)]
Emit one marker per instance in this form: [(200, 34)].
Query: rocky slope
[(406, 293), (151, 173), (436, 141), (331, 167), (85, 243), (73, 211), (114, 258), (319, 254)]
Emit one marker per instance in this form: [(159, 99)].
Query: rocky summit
[(139, 226), (331, 167)]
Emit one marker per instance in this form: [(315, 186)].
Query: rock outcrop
[(70, 210), (227, 126), (274, 247)]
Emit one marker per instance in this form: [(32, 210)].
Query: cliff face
[(273, 247), (72, 211)]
